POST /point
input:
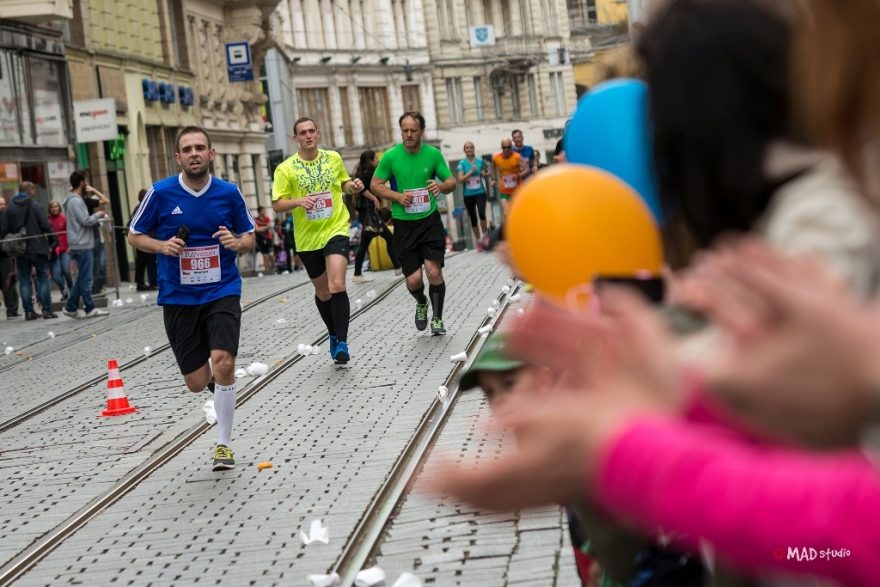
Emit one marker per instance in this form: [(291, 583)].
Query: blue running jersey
[(205, 271)]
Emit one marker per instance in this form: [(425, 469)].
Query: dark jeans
[(99, 259), (145, 268), (39, 264), (82, 287), (7, 285), (61, 271), (366, 237)]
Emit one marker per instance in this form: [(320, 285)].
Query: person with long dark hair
[(367, 206)]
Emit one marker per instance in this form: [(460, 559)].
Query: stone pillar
[(357, 122), (338, 133)]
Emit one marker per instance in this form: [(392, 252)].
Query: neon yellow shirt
[(297, 178)]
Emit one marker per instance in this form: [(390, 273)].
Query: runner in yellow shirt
[(311, 184), (508, 171)]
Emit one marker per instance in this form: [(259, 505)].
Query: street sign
[(238, 62), (95, 120)]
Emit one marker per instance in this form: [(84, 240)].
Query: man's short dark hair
[(189, 130), (516, 130), (415, 115), (76, 179), (301, 120)]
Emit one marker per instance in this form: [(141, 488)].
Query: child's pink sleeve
[(759, 509)]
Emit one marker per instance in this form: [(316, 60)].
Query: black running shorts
[(194, 331), (314, 260), (418, 240)]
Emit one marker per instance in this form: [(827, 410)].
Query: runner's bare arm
[(284, 205), (242, 242), (379, 188), (144, 242)]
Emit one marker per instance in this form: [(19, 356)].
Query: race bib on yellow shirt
[(200, 265), (421, 201), (509, 181), (323, 207)]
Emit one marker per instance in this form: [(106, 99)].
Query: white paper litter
[(371, 294), (442, 393), (495, 303), (144, 297), (515, 297), (51, 334), (281, 321), (316, 349), (459, 357), (210, 412), (408, 580), (485, 329), (324, 580), (260, 274), (9, 350), (505, 290), (239, 373), (317, 533), (147, 350), (491, 312), (369, 577), (116, 303), (129, 301), (257, 369)]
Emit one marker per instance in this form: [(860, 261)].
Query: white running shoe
[(361, 279), (95, 313)]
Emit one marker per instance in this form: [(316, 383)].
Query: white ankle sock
[(224, 404)]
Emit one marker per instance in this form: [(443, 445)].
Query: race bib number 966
[(200, 265)]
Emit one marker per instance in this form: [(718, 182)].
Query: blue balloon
[(611, 130)]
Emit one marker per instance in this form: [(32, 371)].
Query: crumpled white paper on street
[(408, 580), (324, 580), (487, 329), (369, 577), (239, 373), (257, 369), (317, 532), (459, 357)]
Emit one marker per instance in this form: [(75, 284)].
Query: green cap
[(490, 358)]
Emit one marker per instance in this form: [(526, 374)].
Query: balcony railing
[(36, 11)]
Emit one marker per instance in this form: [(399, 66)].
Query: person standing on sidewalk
[(95, 201), (7, 271), (197, 224), (419, 236), (59, 260), (310, 185), (81, 240), (24, 211), (144, 263), (368, 212)]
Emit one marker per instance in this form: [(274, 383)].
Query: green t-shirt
[(412, 172), (296, 178)]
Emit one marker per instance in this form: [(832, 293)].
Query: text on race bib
[(509, 181), (474, 182), (421, 201), (200, 265), (323, 207)]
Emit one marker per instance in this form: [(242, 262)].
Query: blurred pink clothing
[(764, 509)]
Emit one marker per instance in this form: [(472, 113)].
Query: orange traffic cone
[(117, 401)]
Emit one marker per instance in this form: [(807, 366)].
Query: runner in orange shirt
[(508, 173)]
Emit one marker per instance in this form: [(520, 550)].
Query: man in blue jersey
[(529, 161), (196, 224)]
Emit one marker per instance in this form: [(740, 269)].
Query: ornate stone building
[(356, 65)]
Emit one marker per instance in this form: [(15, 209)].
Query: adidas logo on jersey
[(177, 210)]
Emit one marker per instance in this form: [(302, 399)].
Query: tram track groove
[(367, 536)]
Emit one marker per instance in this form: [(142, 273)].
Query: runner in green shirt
[(422, 175), (311, 183)]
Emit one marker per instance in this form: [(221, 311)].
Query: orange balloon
[(572, 223)]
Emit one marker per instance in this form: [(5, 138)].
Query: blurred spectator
[(60, 257)]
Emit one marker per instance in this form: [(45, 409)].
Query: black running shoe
[(223, 459), (422, 316)]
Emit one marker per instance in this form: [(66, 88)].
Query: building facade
[(356, 65)]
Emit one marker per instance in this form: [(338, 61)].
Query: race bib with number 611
[(323, 207), (200, 265), (421, 201)]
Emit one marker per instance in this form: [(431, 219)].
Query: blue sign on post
[(238, 62)]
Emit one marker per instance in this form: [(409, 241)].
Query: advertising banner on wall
[(95, 120)]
